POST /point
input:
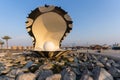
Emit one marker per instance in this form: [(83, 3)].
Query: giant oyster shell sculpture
[(48, 26)]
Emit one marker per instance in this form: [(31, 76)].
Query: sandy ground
[(2, 54), (114, 53)]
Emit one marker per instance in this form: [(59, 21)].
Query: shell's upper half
[(48, 26)]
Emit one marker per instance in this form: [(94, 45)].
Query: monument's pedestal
[(52, 54)]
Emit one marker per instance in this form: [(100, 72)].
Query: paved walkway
[(114, 53)]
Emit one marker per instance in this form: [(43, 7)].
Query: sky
[(94, 21)]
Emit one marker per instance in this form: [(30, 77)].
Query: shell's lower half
[(54, 55)]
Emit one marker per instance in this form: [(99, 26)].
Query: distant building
[(116, 46), (99, 47), (29, 47), (95, 47), (14, 47), (105, 46), (21, 48)]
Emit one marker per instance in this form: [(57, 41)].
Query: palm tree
[(1, 43), (6, 38)]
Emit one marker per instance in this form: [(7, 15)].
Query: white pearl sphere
[(49, 46)]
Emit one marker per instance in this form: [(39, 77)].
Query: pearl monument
[(48, 26)]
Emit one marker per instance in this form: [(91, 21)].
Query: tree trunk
[(7, 44), (1, 46)]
